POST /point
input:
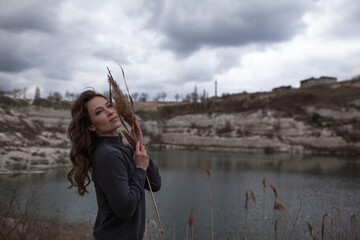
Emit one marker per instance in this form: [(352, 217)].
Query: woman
[(119, 172)]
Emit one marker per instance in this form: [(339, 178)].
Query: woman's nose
[(109, 112)]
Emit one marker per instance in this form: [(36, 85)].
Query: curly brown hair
[(83, 142)]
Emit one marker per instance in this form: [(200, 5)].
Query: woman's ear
[(92, 128)]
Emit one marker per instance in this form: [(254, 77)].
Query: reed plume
[(124, 107), (309, 228), (275, 192), (281, 207), (252, 196)]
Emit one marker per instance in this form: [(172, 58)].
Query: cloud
[(190, 25), (28, 15), (12, 56)]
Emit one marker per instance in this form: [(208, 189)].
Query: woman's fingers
[(141, 159), (137, 148), (140, 148), (129, 138)]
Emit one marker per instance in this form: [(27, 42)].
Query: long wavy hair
[(83, 142)]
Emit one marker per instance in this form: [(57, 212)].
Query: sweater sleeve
[(122, 192), (154, 177)]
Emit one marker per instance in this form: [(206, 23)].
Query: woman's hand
[(137, 131), (141, 159)]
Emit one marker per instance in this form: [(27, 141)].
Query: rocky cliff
[(325, 120), (261, 130), (32, 137)]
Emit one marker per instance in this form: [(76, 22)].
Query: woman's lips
[(114, 119)]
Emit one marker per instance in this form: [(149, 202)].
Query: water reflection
[(235, 161)]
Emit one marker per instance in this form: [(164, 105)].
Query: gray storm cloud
[(174, 43)]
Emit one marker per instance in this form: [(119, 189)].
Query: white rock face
[(35, 138), (263, 130)]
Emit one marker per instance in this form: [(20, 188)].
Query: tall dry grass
[(206, 168), (26, 223), (287, 225)]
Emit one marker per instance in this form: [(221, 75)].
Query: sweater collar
[(111, 139)]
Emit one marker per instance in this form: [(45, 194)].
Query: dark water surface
[(313, 184)]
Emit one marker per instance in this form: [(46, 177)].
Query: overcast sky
[(172, 46)]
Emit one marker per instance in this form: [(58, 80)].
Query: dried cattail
[(252, 195), (205, 166), (309, 228), (191, 219), (274, 190), (280, 207), (264, 182)]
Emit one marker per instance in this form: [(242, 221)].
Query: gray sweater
[(119, 187)]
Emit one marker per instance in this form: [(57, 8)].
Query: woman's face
[(103, 116)]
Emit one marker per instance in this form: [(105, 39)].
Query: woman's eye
[(97, 113)]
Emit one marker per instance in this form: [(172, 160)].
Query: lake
[(309, 186)]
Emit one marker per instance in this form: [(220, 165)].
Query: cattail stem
[(263, 213), (212, 211), (156, 209)]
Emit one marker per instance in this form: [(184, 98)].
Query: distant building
[(317, 81), (281, 88)]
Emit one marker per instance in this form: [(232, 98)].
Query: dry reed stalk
[(125, 110), (354, 228), (263, 213), (211, 200), (340, 221), (309, 228), (284, 235), (174, 231), (246, 199), (276, 227), (156, 209), (246, 213), (252, 196), (191, 221), (331, 225), (323, 226), (296, 219)]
